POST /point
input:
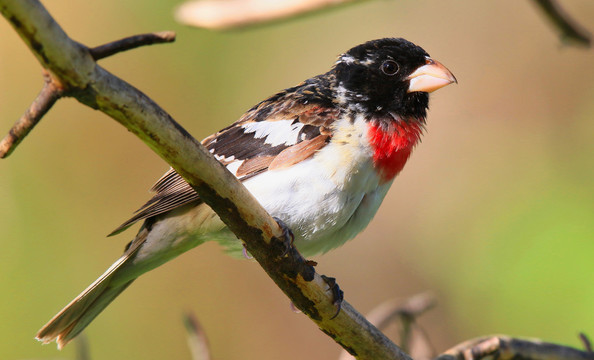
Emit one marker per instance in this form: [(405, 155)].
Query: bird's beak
[(430, 77)]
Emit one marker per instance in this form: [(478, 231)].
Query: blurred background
[(494, 213)]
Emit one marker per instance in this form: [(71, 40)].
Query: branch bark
[(72, 65), (131, 42), (507, 348), (499, 347)]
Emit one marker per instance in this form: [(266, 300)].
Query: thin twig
[(197, 340), (412, 308), (131, 42), (421, 347), (51, 91), (586, 341), (44, 101), (82, 348), (395, 310), (570, 30)]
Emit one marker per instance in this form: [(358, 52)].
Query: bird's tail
[(79, 313)]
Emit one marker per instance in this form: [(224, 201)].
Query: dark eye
[(390, 67)]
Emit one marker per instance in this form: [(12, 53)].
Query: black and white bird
[(319, 156)]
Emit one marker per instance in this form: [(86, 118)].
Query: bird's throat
[(392, 145)]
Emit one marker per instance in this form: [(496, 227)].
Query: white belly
[(327, 199)]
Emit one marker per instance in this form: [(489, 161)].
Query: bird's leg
[(287, 238)]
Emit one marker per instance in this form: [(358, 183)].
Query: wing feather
[(278, 132), (295, 154)]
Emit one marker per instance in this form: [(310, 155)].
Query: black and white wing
[(278, 132)]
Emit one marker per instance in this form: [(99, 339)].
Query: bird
[(319, 156)]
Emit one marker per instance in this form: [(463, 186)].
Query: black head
[(374, 77)]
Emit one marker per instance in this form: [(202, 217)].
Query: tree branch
[(131, 42), (499, 347), (507, 348), (570, 30), (406, 314), (53, 89), (231, 14), (586, 341), (222, 15), (197, 341), (72, 65), (44, 101)]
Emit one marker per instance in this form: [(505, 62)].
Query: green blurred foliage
[(494, 212)]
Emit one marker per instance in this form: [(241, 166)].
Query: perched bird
[(319, 156)]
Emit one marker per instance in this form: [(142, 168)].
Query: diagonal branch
[(73, 65), (586, 341), (569, 29)]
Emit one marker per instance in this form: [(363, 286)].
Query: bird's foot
[(337, 294), (287, 238), (246, 254)]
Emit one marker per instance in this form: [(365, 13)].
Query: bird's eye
[(390, 67)]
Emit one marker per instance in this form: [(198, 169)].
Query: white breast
[(325, 200), (329, 198)]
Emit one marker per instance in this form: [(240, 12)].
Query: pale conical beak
[(430, 77)]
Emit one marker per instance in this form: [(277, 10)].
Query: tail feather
[(79, 313), (75, 317)]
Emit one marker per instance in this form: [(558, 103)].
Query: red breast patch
[(392, 145)]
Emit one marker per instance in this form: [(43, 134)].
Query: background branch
[(586, 342), (197, 340), (569, 29), (73, 65), (508, 348), (405, 314), (229, 14)]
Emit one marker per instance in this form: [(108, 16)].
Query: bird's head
[(389, 75)]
